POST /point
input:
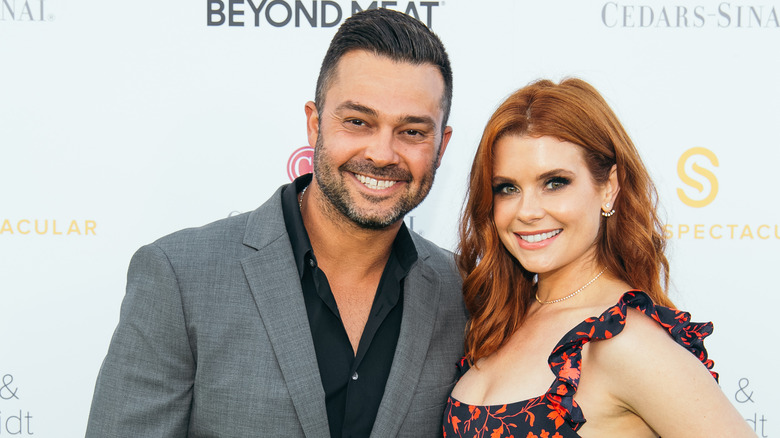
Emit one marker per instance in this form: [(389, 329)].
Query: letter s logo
[(686, 156)]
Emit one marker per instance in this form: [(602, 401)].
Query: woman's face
[(546, 206)]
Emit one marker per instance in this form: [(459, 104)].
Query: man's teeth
[(533, 238), (372, 183)]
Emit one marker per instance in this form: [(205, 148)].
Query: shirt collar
[(293, 221)]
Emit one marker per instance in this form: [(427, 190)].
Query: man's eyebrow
[(425, 120), (349, 105), (409, 119)]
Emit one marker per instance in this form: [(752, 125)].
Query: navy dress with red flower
[(555, 414)]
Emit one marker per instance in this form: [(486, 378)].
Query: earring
[(606, 213)]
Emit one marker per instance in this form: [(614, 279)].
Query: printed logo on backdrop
[(25, 11), (745, 399), (711, 191), (13, 419), (297, 13), (300, 162), (673, 15), (47, 227), (697, 169)]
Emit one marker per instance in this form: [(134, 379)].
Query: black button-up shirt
[(353, 382)]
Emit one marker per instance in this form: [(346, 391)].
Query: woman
[(561, 225)]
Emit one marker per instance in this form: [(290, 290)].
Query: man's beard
[(333, 186)]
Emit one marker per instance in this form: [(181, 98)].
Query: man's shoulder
[(229, 232), (427, 248), (440, 259), (442, 262), (229, 229)]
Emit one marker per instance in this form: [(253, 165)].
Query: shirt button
[(312, 263), (355, 376)]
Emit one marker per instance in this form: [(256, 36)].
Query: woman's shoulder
[(637, 340), (659, 369), (656, 347), (648, 331)]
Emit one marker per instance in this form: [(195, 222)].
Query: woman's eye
[(556, 183), (504, 189)]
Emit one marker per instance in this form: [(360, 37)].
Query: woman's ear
[(611, 189)]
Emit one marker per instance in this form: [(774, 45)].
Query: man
[(318, 314)]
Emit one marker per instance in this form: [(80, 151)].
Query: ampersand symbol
[(747, 397), (6, 389)]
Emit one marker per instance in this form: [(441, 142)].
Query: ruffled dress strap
[(566, 359), (463, 366)]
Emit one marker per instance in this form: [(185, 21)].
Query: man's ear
[(312, 123), (445, 139)]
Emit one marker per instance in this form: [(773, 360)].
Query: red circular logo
[(300, 162)]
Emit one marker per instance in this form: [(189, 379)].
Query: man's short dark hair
[(387, 33)]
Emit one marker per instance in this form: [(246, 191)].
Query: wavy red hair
[(496, 288)]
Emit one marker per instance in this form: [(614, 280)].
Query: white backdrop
[(121, 122)]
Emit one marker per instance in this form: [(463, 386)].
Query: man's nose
[(381, 149)]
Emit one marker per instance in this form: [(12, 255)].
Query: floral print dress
[(555, 414)]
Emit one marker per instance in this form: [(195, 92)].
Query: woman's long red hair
[(496, 288)]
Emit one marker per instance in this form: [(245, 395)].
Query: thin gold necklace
[(571, 294)]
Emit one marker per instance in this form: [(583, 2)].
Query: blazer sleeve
[(145, 384)]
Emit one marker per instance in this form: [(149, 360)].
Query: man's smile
[(373, 183)]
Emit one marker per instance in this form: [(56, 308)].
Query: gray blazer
[(214, 341)]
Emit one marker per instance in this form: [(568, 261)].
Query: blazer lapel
[(421, 293), (273, 279)]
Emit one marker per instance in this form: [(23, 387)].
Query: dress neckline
[(565, 362), (568, 335)]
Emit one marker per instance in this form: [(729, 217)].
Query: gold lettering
[(746, 232), (731, 227), (777, 236), (759, 232), (698, 231), (45, 230), (19, 227), (712, 228), (41, 227), (682, 229), (668, 233), (74, 228)]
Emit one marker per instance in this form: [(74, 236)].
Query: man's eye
[(356, 122), (412, 132)]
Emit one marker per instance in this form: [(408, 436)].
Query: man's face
[(378, 141)]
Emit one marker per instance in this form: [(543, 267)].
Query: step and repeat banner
[(121, 122)]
